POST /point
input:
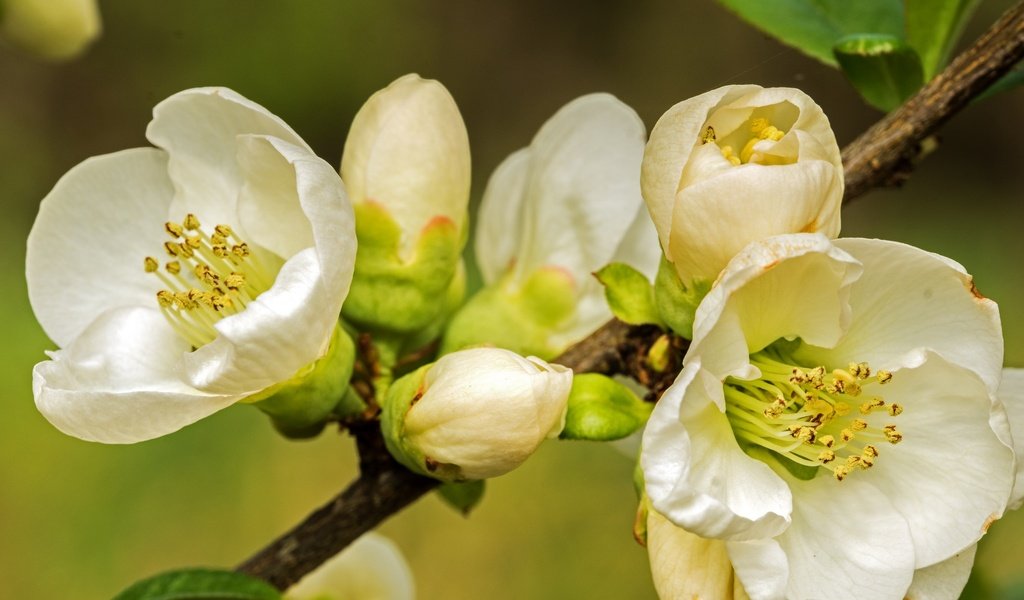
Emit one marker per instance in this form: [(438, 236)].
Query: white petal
[(673, 139), (950, 477), (639, 246), (499, 222), (198, 128), (284, 330), (291, 200), (909, 299), (87, 246), (582, 193), (684, 565), (945, 580), (846, 542), (762, 566), (117, 382), (1011, 394), (695, 472), (371, 568), (408, 149), (786, 286), (710, 227)]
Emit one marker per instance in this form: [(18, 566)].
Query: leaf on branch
[(933, 26), (200, 584), (884, 69), (630, 295)]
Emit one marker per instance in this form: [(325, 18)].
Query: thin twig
[(881, 156)]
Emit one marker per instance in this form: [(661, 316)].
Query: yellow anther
[(222, 230), (194, 242), (884, 377), (826, 456), (841, 472), (708, 136), (892, 435), (895, 409), (836, 387), (846, 435), (859, 425), (757, 125), (218, 240), (182, 301), (221, 251), (164, 298), (173, 267), (240, 250), (185, 250), (870, 450), (842, 409), (172, 248), (854, 462), (748, 150), (797, 377), (872, 404), (220, 302), (730, 155), (191, 222), (827, 440), (860, 370), (234, 281), (150, 264), (173, 229)]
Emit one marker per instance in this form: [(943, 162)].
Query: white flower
[(735, 165), (371, 568), (53, 29), (180, 279), (475, 413), (408, 151), (566, 206), (836, 423)]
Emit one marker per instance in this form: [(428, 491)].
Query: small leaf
[(602, 409), (629, 294), (200, 584), (677, 303), (814, 26), (462, 496), (933, 27), (883, 68)]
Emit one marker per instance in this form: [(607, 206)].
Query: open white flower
[(180, 279), (560, 209), (735, 165), (836, 423), (475, 413), (371, 568)]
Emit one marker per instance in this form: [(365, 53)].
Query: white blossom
[(371, 568), (181, 279)]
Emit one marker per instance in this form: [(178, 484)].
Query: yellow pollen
[(895, 409), (860, 370), (174, 230), (758, 125), (841, 472), (892, 435), (234, 281), (872, 404), (827, 456), (221, 251), (164, 298), (191, 222), (222, 230), (884, 377), (173, 267), (846, 435), (240, 250), (185, 250), (172, 248), (150, 264), (218, 240), (870, 450), (859, 425), (827, 440)]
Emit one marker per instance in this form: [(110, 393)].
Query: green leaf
[(933, 27), (814, 26), (629, 294), (200, 584), (462, 496), (883, 68), (602, 409), (677, 303)]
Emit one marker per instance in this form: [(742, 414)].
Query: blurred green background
[(84, 520)]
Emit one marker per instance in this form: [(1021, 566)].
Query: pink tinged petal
[(291, 200), (499, 223), (198, 129), (846, 542), (118, 381), (673, 139), (697, 475), (281, 332), (685, 565), (1011, 394), (786, 286), (581, 193), (951, 475), (945, 580), (762, 567), (86, 249), (710, 227), (909, 299)]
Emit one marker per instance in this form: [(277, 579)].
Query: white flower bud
[(735, 165), (475, 413), (52, 29)]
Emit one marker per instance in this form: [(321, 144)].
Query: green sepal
[(400, 294), (602, 409), (522, 320), (200, 584), (677, 303), (462, 496), (884, 69), (301, 406), (629, 294), (400, 397)]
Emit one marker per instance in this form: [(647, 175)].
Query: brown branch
[(884, 154), (881, 156)]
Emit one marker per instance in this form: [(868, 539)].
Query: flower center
[(753, 131), (812, 417), (209, 276)]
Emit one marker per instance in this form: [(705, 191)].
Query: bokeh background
[(81, 520)]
